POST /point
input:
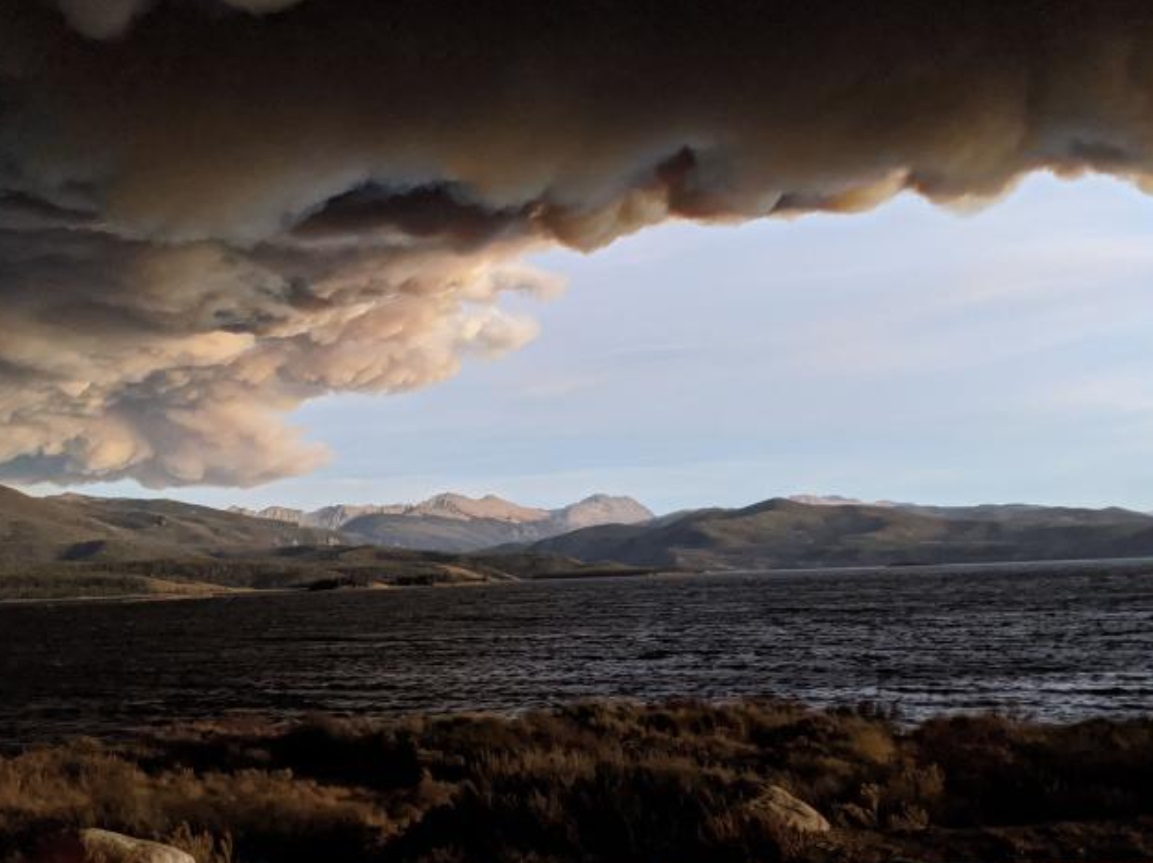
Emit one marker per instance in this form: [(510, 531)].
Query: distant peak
[(72, 495), (603, 509), (445, 497), (458, 506), (446, 506), (836, 500)]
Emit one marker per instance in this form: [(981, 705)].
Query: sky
[(304, 249), (911, 353)]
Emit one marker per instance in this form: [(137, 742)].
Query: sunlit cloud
[(212, 214)]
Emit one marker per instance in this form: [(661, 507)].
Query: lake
[(1056, 642)]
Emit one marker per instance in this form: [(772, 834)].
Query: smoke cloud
[(211, 212)]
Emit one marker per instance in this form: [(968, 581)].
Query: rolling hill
[(73, 545), (782, 533), (76, 527)]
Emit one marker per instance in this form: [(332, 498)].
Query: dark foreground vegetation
[(601, 782)]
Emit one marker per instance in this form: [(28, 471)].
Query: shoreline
[(207, 590), (218, 592)]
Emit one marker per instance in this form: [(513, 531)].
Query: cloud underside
[(212, 212)]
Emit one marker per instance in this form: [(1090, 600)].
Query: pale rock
[(104, 846), (782, 809)]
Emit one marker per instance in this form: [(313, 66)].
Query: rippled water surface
[(1055, 642)]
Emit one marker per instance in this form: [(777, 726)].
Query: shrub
[(597, 782)]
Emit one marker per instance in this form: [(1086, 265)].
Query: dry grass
[(599, 782)]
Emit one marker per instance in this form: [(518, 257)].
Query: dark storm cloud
[(213, 211)]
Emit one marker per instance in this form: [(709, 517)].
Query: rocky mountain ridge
[(456, 522)]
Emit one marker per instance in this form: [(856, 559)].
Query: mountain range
[(74, 545), (456, 523), (786, 533), (80, 545)]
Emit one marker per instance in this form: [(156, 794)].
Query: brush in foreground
[(683, 781)]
